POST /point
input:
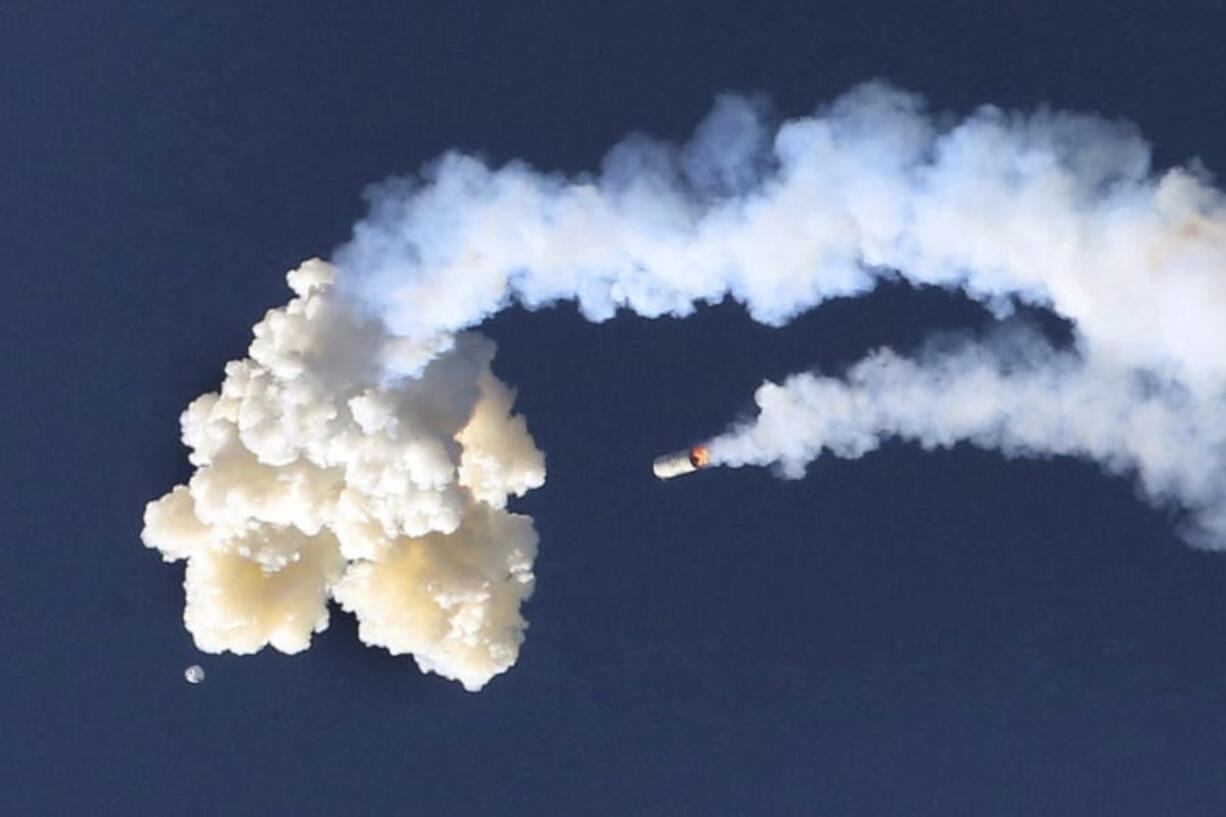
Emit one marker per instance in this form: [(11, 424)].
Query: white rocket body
[(686, 461)]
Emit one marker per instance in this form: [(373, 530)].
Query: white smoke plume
[(1015, 394), (365, 453)]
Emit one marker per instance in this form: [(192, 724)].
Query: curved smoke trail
[(365, 453)]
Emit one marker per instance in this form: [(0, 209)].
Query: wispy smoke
[(365, 453)]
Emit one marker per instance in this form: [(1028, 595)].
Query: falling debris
[(194, 674), (365, 454)]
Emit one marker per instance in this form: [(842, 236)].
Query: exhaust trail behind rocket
[(685, 461)]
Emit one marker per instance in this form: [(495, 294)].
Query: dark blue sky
[(911, 634)]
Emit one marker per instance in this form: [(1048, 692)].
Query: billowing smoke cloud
[(365, 453), (318, 477)]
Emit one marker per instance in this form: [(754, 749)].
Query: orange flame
[(700, 456)]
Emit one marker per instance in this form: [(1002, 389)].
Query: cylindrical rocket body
[(686, 461), (673, 465)]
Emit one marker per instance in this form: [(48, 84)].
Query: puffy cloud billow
[(318, 477)]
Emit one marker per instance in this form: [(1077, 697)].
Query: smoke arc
[(364, 452)]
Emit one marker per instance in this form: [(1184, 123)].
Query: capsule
[(685, 461)]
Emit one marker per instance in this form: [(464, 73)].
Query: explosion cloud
[(365, 453), (318, 478)]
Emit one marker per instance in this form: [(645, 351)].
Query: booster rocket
[(685, 461)]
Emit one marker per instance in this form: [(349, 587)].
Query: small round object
[(194, 674)]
